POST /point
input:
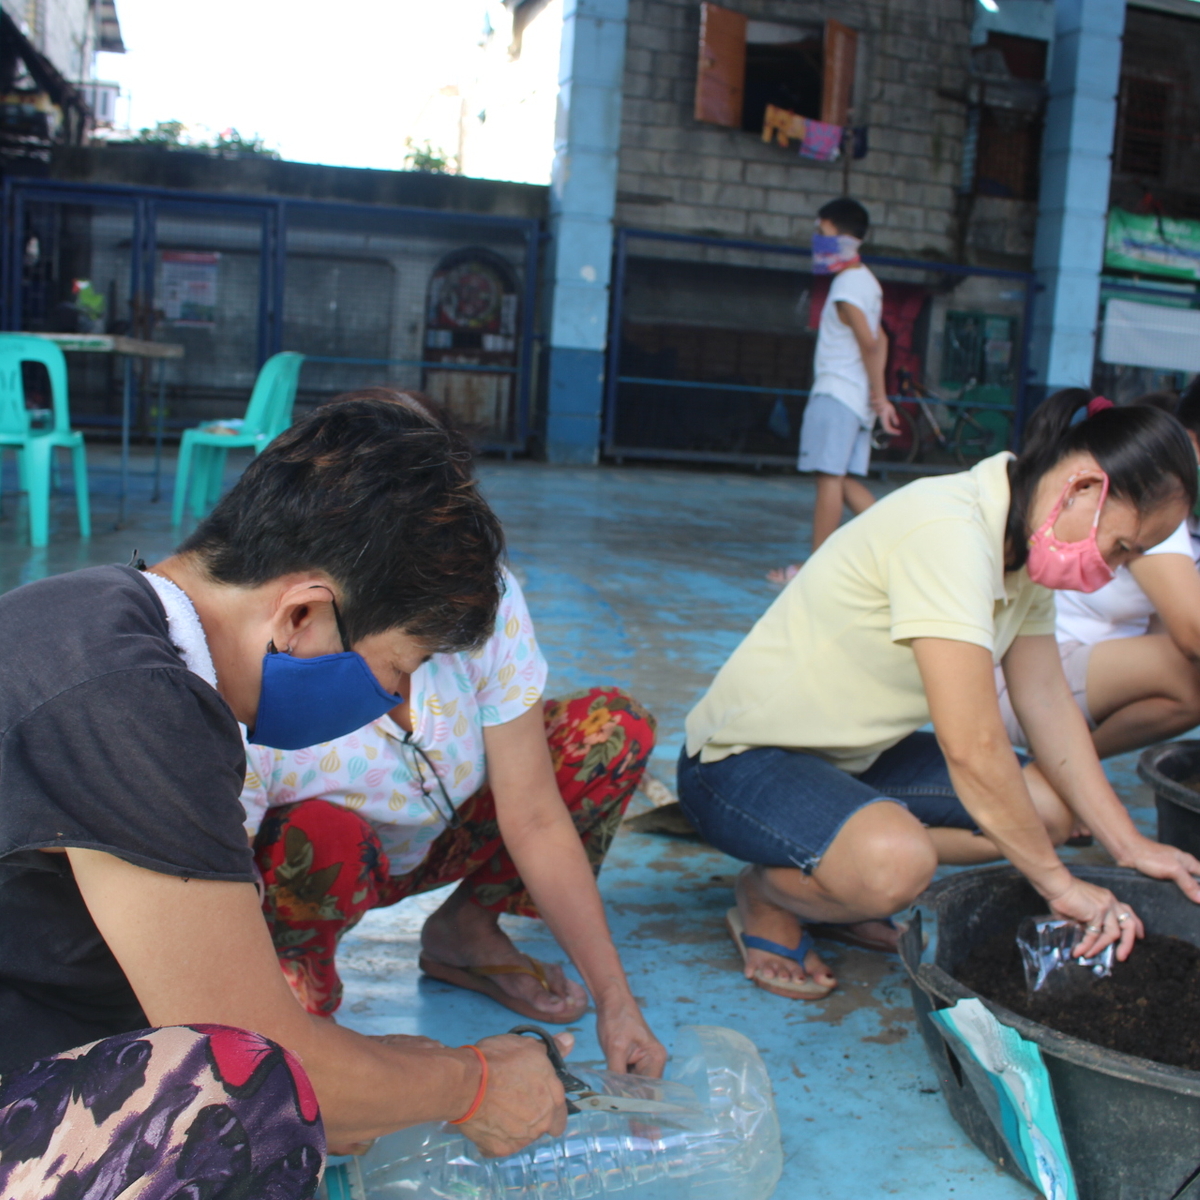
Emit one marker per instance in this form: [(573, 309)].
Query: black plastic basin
[(1167, 768), (1131, 1126)]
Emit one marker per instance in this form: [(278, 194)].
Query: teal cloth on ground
[(1023, 1111)]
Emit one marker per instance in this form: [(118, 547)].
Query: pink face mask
[(1068, 566)]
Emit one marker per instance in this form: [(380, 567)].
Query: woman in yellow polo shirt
[(804, 757)]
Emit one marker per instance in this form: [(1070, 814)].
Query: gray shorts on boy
[(832, 438)]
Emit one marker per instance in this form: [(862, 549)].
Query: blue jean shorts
[(783, 808), (832, 438)]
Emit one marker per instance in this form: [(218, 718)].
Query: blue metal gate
[(346, 284), (710, 347)]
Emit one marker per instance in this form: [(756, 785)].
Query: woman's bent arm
[(541, 838), (198, 952), (960, 686), (959, 681), (1066, 756)]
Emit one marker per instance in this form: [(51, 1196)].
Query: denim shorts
[(783, 808), (832, 438)]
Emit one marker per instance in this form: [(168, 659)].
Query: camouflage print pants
[(324, 868)]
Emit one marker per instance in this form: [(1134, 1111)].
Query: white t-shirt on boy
[(838, 367)]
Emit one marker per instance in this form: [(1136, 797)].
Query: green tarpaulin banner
[(1152, 245)]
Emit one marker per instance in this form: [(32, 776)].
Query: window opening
[(783, 68), (1143, 140), (745, 65), (1011, 71)]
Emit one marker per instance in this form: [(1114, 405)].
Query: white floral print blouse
[(454, 697)]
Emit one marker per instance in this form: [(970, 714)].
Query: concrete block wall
[(679, 174)]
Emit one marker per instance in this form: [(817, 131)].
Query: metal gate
[(711, 343), (417, 298)]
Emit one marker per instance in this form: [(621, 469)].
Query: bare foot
[(461, 934), (766, 920), (783, 575)]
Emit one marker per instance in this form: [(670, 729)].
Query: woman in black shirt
[(352, 548)]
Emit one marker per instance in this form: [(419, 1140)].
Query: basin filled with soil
[(1173, 771), (1148, 1007), (1129, 1122)]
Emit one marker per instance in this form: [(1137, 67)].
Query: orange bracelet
[(479, 1095)]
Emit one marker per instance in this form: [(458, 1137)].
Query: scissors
[(581, 1098)]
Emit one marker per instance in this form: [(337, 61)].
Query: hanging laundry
[(822, 141), (783, 124), (859, 134)]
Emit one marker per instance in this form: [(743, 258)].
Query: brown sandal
[(479, 979)]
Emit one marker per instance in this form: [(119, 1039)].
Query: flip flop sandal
[(782, 576), (792, 989), (844, 934), (479, 979)]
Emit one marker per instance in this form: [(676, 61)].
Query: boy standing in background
[(848, 391)]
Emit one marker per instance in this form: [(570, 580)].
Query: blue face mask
[(305, 701)]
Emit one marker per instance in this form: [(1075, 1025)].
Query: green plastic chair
[(35, 445), (203, 450)]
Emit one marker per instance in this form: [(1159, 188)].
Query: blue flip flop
[(796, 989)]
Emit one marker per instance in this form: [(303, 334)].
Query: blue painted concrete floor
[(648, 578)]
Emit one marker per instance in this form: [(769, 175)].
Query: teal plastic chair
[(203, 450), (35, 444)]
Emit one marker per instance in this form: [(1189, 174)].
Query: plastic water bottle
[(724, 1146)]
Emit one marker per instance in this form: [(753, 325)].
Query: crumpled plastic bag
[(1047, 946)]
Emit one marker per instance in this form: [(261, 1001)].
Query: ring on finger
[(1093, 929), (1122, 917)]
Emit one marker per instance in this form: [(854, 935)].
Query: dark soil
[(1149, 1006)]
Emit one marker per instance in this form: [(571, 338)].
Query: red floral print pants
[(323, 866)]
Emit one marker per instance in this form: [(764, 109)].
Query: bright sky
[(329, 81)]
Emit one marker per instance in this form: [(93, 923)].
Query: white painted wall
[(63, 30)]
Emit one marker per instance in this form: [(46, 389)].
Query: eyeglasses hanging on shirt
[(448, 813)]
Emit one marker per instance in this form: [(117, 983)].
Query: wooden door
[(721, 71), (837, 91)]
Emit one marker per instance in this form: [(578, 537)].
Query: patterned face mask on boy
[(834, 252)]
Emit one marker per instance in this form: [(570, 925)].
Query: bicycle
[(977, 431)]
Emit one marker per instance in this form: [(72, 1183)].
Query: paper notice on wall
[(1151, 335), (189, 287)]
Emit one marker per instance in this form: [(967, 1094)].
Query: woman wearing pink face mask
[(806, 758)]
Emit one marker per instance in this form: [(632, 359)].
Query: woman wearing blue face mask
[(143, 1014), (806, 757)]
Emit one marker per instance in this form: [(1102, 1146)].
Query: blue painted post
[(1073, 204), (583, 192)]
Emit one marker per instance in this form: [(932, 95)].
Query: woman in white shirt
[(1131, 651), (473, 779)]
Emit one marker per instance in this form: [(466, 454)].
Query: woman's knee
[(637, 721), (881, 860), (594, 717), (1057, 818), (1189, 693), (335, 828)]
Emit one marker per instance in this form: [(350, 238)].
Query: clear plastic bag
[(723, 1146), (1047, 946)]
